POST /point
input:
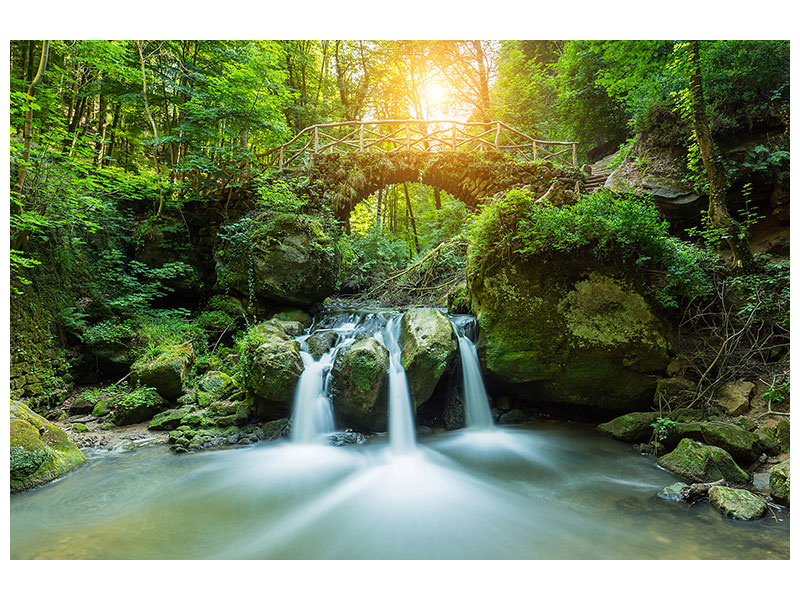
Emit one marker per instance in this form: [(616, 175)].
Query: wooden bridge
[(395, 136)]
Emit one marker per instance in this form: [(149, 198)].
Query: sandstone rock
[(428, 345), (698, 463), (734, 397), (40, 451), (359, 384), (632, 427), (779, 482), (736, 504), (166, 371)]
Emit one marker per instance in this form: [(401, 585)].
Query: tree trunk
[(379, 198), (717, 205), (483, 78), (437, 198), (411, 216), (147, 109), (22, 174)]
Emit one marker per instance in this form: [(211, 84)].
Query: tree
[(718, 212)]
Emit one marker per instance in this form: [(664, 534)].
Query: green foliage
[(624, 151), (121, 396), (662, 427), (604, 221), (369, 258), (764, 293), (777, 394)]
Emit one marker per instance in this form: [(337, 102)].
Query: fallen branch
[(698, 491)]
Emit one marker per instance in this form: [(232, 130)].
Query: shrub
[(604, 221)]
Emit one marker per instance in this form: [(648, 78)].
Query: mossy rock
[(782, 429), (271, 365), (104, 405), (217, 384), (169, 419), (768, 440), (569, 330), (40, 451), (779, 479), (736, 504), (296, 315), (698, 463), (740, 444), (359, 384), (80, 427), (458, 299), (166, 371), (428, 345), (290, 328), (320, 343), (632, 427), (83, 404), (137, 406), (276, 429)]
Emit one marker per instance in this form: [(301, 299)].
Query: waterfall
[(312, 416), (401, 415), (476, 403)]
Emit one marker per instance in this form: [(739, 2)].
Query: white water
[(477, 413), (401, 415)]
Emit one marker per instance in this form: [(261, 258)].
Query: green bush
[(764, 293), (604, 221), (369, 258)]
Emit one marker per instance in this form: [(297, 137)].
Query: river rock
[(632, 427), (698, 463), (571, 330), (295, 315), (779, 482), (320, 343), (40, 451), (736, 504), (734, 397), (137, 406), (83, 404), (169, 419), (271, 366), (359, 385), (289, 259), (512, 417), (166, 371), (782, 432), (672, 492), (428, 345), (739, 443)]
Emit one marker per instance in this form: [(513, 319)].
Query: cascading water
[(401, 416), (476, 403)]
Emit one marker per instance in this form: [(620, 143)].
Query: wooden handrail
[(408, 134)]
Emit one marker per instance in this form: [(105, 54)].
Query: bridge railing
[(390, 136)]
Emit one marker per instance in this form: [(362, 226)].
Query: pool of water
[(550, 491)]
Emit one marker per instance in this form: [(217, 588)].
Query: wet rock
[(736, 504), (740, 444), (169, 419), (512, 417), (453, 414), (672, 492), (166, 371), (428, 345), (320, 343), (290, 328), (122, 446), (761, 481), (346, 438), (458, 299), (734, 397), (359, 384), (572, 330), (294, 315), (779, 482), (698, 463), (274, 430), (271, 365), (632, 427)]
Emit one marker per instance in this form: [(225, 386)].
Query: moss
[(79, 427), (40, 451), (358, 385), (779, 480), (696, 462), (739, 443), (165, 369), (428, 345), (632, 427), (169, 419), (736, 504)]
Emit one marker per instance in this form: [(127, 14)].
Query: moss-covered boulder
[(428, 345), (359, 385), (779, 482), (290, 328), (782, 431), (736, 504), (83, 404), (166, 370), (271, 366), (458, 298), (137, 406), (284, 258), (295, 315), (169, 419), (40, 451), (742, 445), (569, 329), (320, 343), (217, 384), (768, 440), (632, 427), (695, 462)]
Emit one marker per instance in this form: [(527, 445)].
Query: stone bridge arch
[(345, 179)]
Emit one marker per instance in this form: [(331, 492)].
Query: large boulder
[(286, 259), (742, 445), (779, 482), (632, 427), (569, 330), (40, 451), (736, 504), (359, 385), (428, 345), (271, 365), (136, 406), (734, 397), (165, 371), (697, 463)]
